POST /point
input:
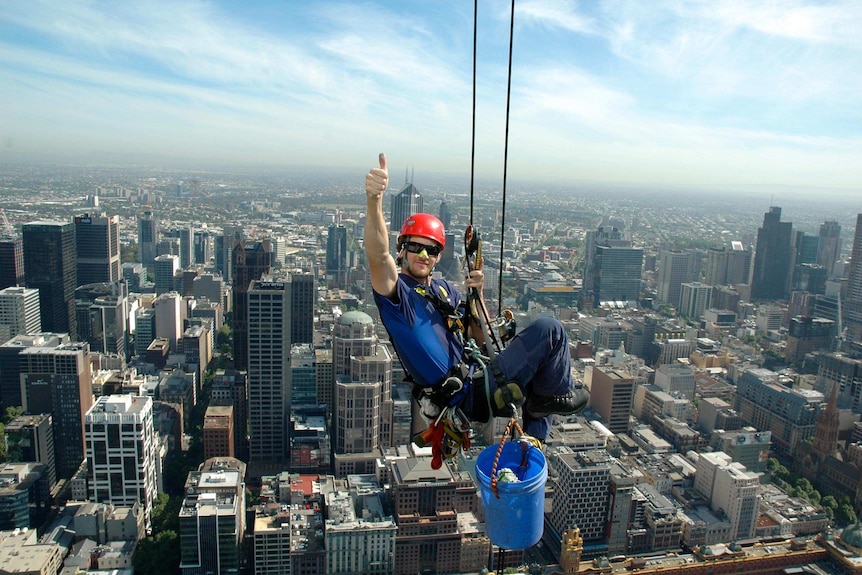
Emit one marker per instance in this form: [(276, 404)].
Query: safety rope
[(506, 157), (473, 151), (524, 445)]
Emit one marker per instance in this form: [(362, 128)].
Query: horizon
[(681, 95)]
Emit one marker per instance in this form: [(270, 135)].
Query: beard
[(417, 272)]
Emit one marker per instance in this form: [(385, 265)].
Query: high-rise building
[(362, 395), (336, 256), (728, 265), (10, 363), (31, 438), (212, 518), (694, 299), (773, 258), (853, 301), (145, 330), (582, 496), (611, 396), (230, 388), (19, 312), (404, 204), (250, 262), (303, 300), (268, 369), (49, 266), (135, 276), (303, 379), (202, 247), (169, 318), (58, 380), (148, 238), (97, 237), (218, 432), (11, 259), (224, 246), (186, 242), (165, 268), (676, 380), (121, 452), (830, 245), (101, 317), (615, 266), (445, 214), (730, 488), (674, 269)]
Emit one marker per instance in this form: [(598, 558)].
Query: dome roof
[(852, 536), (353, 317)]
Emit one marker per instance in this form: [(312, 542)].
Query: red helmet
[(423, 226)]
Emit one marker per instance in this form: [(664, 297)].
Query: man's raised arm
[(384, 272)]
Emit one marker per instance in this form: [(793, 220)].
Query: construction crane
[(7, 230)]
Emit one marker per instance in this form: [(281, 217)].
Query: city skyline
[(689, 95)]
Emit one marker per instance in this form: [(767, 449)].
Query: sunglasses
[(415, 248)]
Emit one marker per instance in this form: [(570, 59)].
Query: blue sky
[(696, 94)]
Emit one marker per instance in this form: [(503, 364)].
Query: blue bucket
[(515, 519)]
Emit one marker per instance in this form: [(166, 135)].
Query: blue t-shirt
[(418, 331)]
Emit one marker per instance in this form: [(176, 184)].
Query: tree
[(159, 554), (803, 486), (845, 515)]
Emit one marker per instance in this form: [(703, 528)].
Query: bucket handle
[(513, 423)]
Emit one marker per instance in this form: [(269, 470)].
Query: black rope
[(473, 151), (505, 160)]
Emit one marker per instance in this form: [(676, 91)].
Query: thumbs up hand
[(377, 180)]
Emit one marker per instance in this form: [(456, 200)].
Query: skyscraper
[(101, 317), (830, 245), (303, 298), (728, 265), (614, 266), (404, 204), (773, 258), (268, 369), (250, 261), (166, 266), (853, 302), (30, 438), (119, 473), (336, 256), (148, 238), (97, 238), (11, 260), (49, 266), (230, 388), (674, 269), (58, 380), (19, 312), (694, 299), (186, 236), (611, 396)]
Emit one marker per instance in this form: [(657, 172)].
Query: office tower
[(10, 363), (310, 442), (19, 312), (445, 214), (582, 496), (730, 488), (49, 266), (121, 452), (250, 261), (806, 335), (209, 286), (746, 446), (224, 246), (11, 257), (230, 388), (362, 389), (728, 265), (169, 318), (186, 237), (202, 248), (836, 369), (145, 330), (101, 317), (97, 237), (806, 247), (676, 380), (166, 267), (611, 396), (148, 238), (336, 256), (31, 438), (773, 258), (617, 274), (268, 369), (604, 236), (830, 245), (135, 276), (218, 432), (58, 380), (325, 376), (404, 204), (212, 518), (674, 269), (303, 299), (303, 379), (356, 540), (694, 299), (429, 538), (621, 484), (853, 301)]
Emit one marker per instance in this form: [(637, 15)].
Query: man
[(534, 368)]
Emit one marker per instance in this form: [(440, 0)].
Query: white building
[(19, 312), (169, 318), (121, 451)]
